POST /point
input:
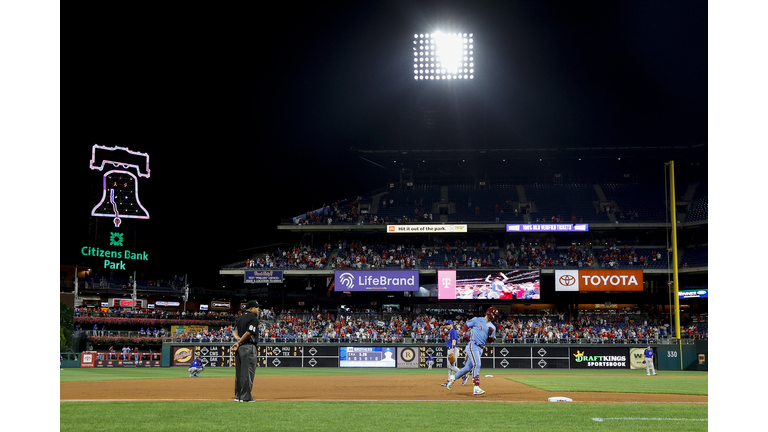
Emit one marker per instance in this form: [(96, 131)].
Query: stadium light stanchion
[(674, 259), (133, 294), (76, 293)]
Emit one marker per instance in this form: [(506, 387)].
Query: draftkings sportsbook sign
[(599, 358)]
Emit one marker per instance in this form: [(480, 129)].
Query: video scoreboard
[(375, 357)]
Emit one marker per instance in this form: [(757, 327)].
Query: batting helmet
[(492, 312)]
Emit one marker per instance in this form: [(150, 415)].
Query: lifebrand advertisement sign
[(598, 280), (387, 280)]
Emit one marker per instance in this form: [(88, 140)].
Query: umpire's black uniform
[(247, 335)]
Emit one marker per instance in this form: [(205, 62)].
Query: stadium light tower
[(443, 56)]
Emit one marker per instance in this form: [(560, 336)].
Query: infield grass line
[(99, 374), (477, 400)]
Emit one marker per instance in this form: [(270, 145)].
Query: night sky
[(251, 121)]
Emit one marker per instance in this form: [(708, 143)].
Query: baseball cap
[(448, 322), (252, 304)]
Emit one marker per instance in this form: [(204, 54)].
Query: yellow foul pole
[(674, 248)]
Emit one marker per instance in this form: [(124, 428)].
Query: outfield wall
[(495, 356)]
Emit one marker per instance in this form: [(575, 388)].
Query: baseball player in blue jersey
[(480, 331), (649, 361), (452, 345), (196, 367)]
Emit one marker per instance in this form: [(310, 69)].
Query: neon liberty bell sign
[(120, 184)]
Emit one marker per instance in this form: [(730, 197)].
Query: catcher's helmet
[(492, 312)]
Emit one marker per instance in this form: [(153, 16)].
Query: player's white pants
[(452, 367), (649, 366), (195, 370)]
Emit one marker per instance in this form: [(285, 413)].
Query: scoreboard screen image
[(489, 285), (373, 357)]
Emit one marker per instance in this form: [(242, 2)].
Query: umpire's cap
[(252, 304)]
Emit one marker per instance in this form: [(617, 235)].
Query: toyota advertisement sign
[(598, 280), (394, 280)]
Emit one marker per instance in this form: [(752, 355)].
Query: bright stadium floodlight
[(443, 56)]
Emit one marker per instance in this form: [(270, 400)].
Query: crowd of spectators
[(409, 207), (367, 326), (124, 312), (459, 254), (338, 211), (370, 255), (299, 257)]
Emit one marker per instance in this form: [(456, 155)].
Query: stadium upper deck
[(602, 204)]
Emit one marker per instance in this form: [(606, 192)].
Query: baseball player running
[(480, 331), (453, 352), (649, 360)]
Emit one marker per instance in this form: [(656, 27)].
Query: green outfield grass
[(400, 417), (379, 417), (679, 383)]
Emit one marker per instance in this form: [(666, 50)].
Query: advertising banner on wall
[(689, 294), (392, 280), (182, 355), (126, 303), (408, 357), (220, 305), (547, 227), (87, 359), (426, 229), (598, 280), (637, 358), (600, 358), (263, 276), (189, 329)]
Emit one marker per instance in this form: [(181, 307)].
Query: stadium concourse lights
[(443, 56)]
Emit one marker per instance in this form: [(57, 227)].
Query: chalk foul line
[(598, 419)]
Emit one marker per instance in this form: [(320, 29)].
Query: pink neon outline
[(118, 163), (104, 196), (114, 206)]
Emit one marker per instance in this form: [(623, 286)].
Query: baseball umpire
[(246, 334)]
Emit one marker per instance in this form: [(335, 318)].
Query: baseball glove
[(451, 358)]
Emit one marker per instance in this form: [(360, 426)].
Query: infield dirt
[(342, 388)]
